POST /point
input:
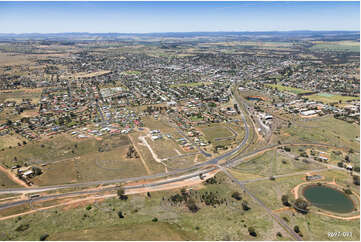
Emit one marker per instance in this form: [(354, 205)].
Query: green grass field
[(287, 89), (270, 163), (215, 131), (327, 130), (191, 84), (330, 98)]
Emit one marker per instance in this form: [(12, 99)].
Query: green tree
[(120, 214), (245, 206), (284, 199), (237, 196), (356, 180)]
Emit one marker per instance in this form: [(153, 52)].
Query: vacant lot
[(17, 95), (215, 131), (13, 59), (5, 181), (10, 140), (70, 160)]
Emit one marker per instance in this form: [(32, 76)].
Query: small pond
[(328, 198)]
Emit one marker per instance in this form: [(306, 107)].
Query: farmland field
[(337, 46)]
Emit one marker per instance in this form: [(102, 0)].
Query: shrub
[(252, 231), (120, 214), (347, 191), (155, 220), (44, 237), (22, 227), (284, 199), (301, 205), (296, 229), (245, 206), (287, 149), (192, 206), (237, 196)]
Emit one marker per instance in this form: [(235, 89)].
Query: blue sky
[(145, 17)]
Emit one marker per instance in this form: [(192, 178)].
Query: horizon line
[(165, 32)]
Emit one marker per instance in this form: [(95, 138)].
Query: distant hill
[(242, 36)]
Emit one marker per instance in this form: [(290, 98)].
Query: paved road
[(260, 203), (154, 184), (230, 163)]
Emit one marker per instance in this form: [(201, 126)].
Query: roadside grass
[(270, 164), (242, 176), (330, 98), (182, 162), (15, 210), (270, 192), (287, 89)]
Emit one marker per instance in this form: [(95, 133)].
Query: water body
[(328, 198)]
